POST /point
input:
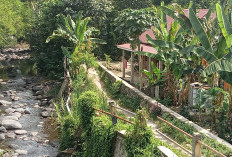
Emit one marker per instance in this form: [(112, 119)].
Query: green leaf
[(224, 24), (160, 43), (220, 52), (208, 56), (172, 32), (226, 76), (78, 22), (211, 9), (199, 31), (180, 18), (217, 66), (164, 23)]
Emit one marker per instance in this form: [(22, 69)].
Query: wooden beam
[(140, 72), (149, 64), (132, 67), (123, 64)]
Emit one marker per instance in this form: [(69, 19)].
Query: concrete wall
[(119, 150), (147, 102)]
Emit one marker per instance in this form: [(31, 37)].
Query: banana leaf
[(160, 43), (164, 23), (220, 66), (199, 31), (221, 46), (226, 76), (224, 24), (209, 57), (180, 18), (148, 54)]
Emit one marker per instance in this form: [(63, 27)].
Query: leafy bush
[(68, 130), (14, 21), (101, 140), (85, 108), (139, 141)]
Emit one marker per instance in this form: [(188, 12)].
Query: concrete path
[(96, 79)]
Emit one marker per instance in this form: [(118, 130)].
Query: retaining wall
[(147, 102)]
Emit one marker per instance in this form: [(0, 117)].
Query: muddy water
[(42, 138)]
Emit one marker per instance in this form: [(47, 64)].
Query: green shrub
[(101, 140), (85, 105), (67, 131), (138, 142)]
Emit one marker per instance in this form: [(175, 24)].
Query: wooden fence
[(196, 137)]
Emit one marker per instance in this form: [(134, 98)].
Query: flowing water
[(41, 139)]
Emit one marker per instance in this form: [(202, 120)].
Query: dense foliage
[(14, 21)]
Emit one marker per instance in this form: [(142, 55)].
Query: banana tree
[(165, 42), (155, 77), (79, 35)]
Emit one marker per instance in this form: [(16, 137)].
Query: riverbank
[(25, 119)]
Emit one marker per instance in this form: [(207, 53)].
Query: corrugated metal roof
[(144, 48)]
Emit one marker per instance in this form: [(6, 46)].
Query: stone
[(26, 111), (39, 97), (7, 155), (11, 124), (10, 135), (3, 129), (21, 152), (9, 118), (13, 146), (36, 88), (5, 103), (38, 93), (2, 137), (45, 114), (17, 114), (15, 98), (20, 110), (36, 106), (15, 106), (34, 133), (20, 132), (9, 110), (3, 83)]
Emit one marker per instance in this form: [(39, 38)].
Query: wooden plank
[(132, 67), (123, 64)]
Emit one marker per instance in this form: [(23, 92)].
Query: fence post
[(196, 147), (113, 111)]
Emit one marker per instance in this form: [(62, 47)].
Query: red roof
[(147, 48), (144, 48), (201, 14)]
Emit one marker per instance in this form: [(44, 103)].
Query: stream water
[(38, 136)]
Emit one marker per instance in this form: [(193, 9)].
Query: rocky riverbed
[(25, 111)]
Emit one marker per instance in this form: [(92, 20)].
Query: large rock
[(3, 129), (20, 132), (45, 114), (9, 110), (4, 102), (36, 88), (17, 114), (20, 110), (10, 135), (11, 124), (9, 118), (2, 137), (21, 152)]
